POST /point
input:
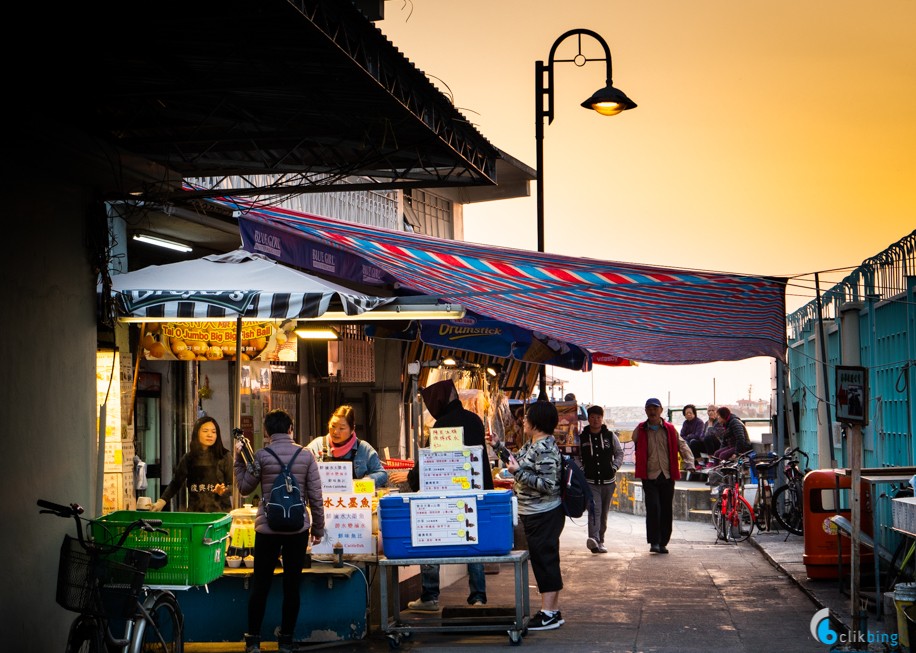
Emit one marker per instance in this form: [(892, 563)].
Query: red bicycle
[(732, 514)]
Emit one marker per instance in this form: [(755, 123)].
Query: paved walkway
[(702, 597)]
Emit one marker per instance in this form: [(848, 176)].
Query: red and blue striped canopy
[(640, 312)]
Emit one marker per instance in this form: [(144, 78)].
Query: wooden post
[(855, 459)]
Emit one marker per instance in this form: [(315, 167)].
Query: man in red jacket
[(657, 445)]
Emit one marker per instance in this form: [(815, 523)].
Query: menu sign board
[(218, 340), (348, 520), (459, 469), (443, 521)]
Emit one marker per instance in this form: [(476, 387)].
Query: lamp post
[(607, 101)]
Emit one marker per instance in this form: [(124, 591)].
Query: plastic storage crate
[(447, 524), (195, 543), (397, 463)]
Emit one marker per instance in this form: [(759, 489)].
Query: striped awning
[(233, 285), (639, 312)]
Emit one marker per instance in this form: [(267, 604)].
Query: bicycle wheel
[(787, 508), (763, 515), (740, 520), (163, 632), (717, 518), (86, 636), (760, 515)]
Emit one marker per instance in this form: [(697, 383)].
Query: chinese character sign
[(449, 438), (852, 394), (348, 520), (336, 477)]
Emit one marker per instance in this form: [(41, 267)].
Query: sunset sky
[(773, 138)]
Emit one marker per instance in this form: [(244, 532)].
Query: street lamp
[(607, 101)]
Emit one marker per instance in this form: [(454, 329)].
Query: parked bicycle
[(732, 514), (788, 499), (103, 582), (764, 510)]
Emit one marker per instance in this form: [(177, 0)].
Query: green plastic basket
[(196, 543)]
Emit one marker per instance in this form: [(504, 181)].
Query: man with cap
[(657, 446), (445, 406)]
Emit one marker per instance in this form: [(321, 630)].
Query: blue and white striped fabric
[(633, 311)]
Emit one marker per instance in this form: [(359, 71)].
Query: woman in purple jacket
[(269, 544), (692, 430)]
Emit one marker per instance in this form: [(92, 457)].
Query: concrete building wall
[(48, 387)]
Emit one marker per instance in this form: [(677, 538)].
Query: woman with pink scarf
[(342, 445)]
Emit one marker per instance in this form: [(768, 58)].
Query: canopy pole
[(237, 400)]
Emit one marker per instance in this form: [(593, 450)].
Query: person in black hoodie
[(602, 456), (445, 406)]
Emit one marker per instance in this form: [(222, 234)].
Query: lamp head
[(609, 101)]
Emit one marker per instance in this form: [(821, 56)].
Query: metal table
[(396, 628), (873, 476)]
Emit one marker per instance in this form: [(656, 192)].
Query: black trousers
[(542, 531), (658, 495), (267, 550)]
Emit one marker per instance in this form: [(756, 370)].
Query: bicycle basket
[(721, 475), (102, 582)]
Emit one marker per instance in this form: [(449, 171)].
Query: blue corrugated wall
[(883, 288)]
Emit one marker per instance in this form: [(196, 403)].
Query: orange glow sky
[(774, 138)]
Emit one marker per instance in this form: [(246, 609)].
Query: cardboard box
[(447, 524)]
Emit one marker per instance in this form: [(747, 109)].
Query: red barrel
[(821, 557)]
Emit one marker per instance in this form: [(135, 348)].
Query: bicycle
[(732, 514), (788, 499), (104, 583), (764, 511)]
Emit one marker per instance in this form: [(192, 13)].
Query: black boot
[(252, 643), (284, 643)]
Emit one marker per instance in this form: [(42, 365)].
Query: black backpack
[(284, 508), (574, 491)]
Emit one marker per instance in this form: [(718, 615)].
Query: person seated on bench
[(735, 439)]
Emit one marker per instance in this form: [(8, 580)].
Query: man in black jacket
[(602, 456), (445, 406)]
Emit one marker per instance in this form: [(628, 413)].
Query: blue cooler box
[(447, 524)]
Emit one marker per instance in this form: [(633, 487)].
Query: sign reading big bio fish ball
[(214, 341)]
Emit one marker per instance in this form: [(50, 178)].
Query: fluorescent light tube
[(162, 242)]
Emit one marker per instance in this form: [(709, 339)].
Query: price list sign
[(443, 521), (460, 469)]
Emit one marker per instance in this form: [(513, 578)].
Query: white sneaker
[(592, 544), (423, 606)]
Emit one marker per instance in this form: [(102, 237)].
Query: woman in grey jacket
[(269, 545), (536, 468)]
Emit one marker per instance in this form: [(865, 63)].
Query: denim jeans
[(477, 583)]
